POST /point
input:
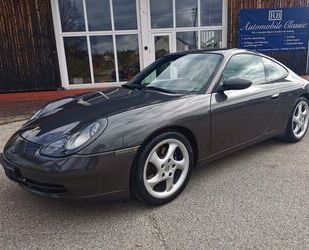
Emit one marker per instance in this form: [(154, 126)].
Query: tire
[(162, 168), (298, 121)]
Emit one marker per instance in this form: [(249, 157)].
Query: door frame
[(147, 31)]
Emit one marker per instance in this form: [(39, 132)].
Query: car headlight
[(75, 142)]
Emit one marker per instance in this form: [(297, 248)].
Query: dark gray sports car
[(144, 138)]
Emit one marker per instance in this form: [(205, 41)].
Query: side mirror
[(236, 83)]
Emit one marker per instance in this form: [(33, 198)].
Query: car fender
[(133, 127)]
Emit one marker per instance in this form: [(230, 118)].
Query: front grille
[(13, 175), (46, 188)]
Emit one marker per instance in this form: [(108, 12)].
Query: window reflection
[(273, 70), (125, 14), (162, 46), (98, 13), (72, 15), (186, 40), (103, 60), (245, 66), (128, 56), (188, 73), (161, 13), (77, 59), (186, 13), (211, 12), (211, 39)]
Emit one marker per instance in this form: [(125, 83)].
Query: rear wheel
[(298, 122), (163, 168)]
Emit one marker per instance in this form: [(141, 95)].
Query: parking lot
[(256, 198)]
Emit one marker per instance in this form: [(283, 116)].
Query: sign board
[(282, 29)]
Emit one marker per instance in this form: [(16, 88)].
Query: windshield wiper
[(140, 86), (159, 89), (133, 86)]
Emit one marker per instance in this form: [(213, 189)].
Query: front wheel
[(163, 168), (298, 122)]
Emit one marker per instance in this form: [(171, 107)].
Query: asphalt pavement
[(256, 198)]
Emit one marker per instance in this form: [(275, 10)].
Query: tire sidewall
[(139, 186)]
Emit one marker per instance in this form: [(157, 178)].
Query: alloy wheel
[(166, 168), (300, 119)]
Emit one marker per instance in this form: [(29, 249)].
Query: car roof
[(224, 51)]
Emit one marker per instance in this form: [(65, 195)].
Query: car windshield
[(189, 73)]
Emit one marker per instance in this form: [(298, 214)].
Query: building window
[(128, 56), (186, 40), (161, 13), (98, 13), (101, 40), (103, 59), (72, 15), (186, 13), (125, 14), (211, 39), (192, 24), (211, 12), (76, 51), (161, 46)]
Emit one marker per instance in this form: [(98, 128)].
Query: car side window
[(273, 70), (245, 66)]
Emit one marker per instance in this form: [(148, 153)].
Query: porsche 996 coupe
[(145, 137)]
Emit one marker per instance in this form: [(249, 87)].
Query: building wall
[(28, 56)]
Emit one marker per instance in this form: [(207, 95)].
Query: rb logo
[(275, 15)]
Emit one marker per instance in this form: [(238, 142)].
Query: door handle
[(275, 96)]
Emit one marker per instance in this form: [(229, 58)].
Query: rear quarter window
[(273, 70)]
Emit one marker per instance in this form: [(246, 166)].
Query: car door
[(240, 116)]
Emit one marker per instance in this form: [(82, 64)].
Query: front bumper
[(47, 189), (76, 176)]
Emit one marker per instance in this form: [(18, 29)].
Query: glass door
[(162, 45)]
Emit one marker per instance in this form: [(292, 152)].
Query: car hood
[(67, 115)]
